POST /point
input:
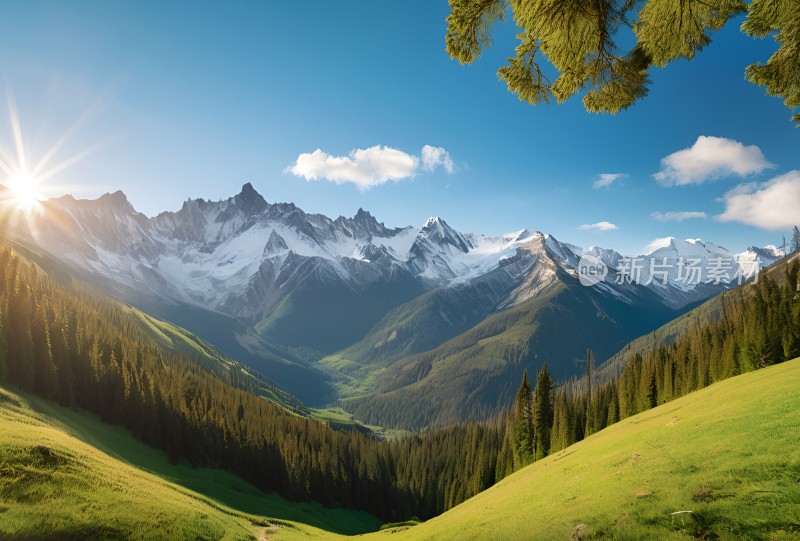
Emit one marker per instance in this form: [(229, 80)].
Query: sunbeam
[(17, 129), (26, 187)]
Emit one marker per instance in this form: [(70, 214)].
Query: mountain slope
[(724, 456), (57, 464), (446, 312)]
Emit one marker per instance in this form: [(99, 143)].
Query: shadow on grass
[(221, 486)]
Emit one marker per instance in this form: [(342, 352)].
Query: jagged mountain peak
[(276, 244), (372, 253), (523, 234), (117, 200), (249, 200), (196, 203), (608, 256), (363, 225), (436, 223), (364, 218), (769, 250), (439, 232), (431, 222), (688, 247)]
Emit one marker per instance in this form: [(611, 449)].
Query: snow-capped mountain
[(281, 269)]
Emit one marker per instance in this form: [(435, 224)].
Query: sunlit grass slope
[(728, 456), (65, 475)]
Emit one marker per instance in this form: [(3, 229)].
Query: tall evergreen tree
[(589, 371), (542, 413), (590, 426), (559, 436), (796, 239), (522, 432)]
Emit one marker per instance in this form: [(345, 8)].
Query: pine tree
[(20, 339), (581, 41), (796, 239), (542, 413), (589, 371), (522, 432), (559, 436), (45, 371), (590, 425), (505, 458)]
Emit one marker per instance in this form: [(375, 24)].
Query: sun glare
[(24, 190), (25, 183)]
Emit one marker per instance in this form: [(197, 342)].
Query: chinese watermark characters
[(683, 271)]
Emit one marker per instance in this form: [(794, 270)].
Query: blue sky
[(193, 99)]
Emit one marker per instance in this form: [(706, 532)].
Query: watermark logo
[(682, 272), (591, 270)]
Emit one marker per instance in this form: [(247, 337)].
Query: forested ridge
[(87, 352), (759, 326)]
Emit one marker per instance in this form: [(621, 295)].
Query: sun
[(24, 190)]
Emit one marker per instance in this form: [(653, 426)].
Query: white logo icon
[(591, 270)]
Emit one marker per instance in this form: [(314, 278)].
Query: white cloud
[(368, 167), (677, 216), (605, 180), (711, 158), (433, 157), (599, 226), (769, 205)]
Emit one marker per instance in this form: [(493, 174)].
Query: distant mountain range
[(348, 307)]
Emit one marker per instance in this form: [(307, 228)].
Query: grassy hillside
[(724, 458), (64, 475)]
